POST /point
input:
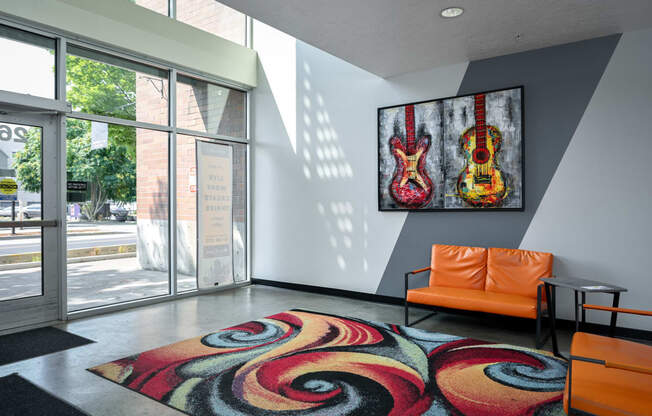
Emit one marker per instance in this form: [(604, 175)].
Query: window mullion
[(172, 9), (172, 192)]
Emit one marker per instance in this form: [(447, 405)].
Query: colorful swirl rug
[(306, 363)]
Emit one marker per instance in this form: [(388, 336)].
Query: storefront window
[(210, 108), (117, 172), (27, 63), (105, 85), (217, 242), (118, 216)]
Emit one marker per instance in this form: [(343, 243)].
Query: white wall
[(315, 216), (123, 24), (314, 114), (596, 213)]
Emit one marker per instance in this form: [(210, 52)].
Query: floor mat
[(306, 363), (37, 342), (19, 397)]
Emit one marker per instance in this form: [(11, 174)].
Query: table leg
[(583, 310), (612, 327), (550, 301), (577, 305)]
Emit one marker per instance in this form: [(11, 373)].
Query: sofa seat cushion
[(516, 272), (610, 391), (458, 266), (475, 300)]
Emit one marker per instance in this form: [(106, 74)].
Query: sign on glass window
[(215, 214)]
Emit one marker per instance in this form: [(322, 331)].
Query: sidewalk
[(97, 283), (29, 260), (74, 228)]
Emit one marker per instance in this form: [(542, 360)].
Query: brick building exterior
[(207, 15), (201, 107), (213, 17)]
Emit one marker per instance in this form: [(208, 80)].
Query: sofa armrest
[(628, 367), (405, 282), (419, 270), (614, 314), (619, 310), (634, 368)]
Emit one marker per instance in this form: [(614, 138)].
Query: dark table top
[(582, 285)]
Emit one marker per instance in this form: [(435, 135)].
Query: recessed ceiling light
[(451, 12)]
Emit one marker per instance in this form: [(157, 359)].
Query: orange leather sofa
[(609, 376), (495, 280)]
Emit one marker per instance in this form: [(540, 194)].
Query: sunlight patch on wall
[(277, 54)]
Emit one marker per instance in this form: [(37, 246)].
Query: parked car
[(6, 211), (32, 211), (119, 213)]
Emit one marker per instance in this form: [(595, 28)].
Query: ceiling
[(390, 37)]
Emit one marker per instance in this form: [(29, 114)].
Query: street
[(33, 244)]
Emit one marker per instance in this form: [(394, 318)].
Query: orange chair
[(609, 376), (495, 280)]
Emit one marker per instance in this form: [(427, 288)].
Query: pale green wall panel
[(127, 26)]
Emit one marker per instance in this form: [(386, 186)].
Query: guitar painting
[(460, 153), (481, 183), (411, 187)]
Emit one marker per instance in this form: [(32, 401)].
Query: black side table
[(578, 285)]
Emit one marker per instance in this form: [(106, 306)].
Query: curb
[(11, 259), (18, 266), (73, 234)]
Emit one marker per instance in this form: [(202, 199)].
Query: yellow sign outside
[(8, 186)]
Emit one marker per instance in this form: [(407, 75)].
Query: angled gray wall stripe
[(559, 82)]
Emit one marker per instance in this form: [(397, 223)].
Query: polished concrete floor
[(124, 333)]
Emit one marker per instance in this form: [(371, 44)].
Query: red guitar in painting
[(481, 183), (411, 187)]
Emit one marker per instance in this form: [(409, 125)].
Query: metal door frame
[(47, 307)]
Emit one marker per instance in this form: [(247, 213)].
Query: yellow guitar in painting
[(481, 183)]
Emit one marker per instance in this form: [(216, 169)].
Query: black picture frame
[(521, 149)]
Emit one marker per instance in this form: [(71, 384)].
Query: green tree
[(98, 88), (110, 172), (27, 162), (95, 88)]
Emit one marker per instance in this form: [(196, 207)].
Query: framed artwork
[(456, 153)]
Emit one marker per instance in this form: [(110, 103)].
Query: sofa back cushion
[(517, 272), (458, 266)]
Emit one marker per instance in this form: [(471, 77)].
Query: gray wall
[(558, 84), (595, 214)]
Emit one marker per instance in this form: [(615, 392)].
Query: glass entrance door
[(30, 253)]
